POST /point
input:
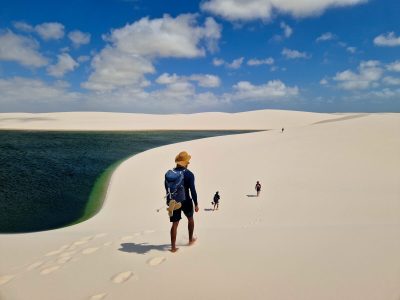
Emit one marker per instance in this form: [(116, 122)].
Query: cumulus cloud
[(389, 80), (293, 54), (323, 81), (132, 49), (387, 40), (114, 69), (239, 10), (394, 66), (259, 62), (327, 36), (166, 37), (369, 73), (23, 26), (50, 31), (351, 50), (79, 38), (287, 30), (206, 80), (26, 90), (272, 90), (218, 62), (21, 49), (235, 64), (203, 80), (83, 58), (64, 64)]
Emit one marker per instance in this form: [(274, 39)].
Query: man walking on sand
[(258, 188), (182, 162)]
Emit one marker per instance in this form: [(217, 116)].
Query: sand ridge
[(325, 226)]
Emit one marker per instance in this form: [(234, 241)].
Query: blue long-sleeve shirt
[(188, 183)]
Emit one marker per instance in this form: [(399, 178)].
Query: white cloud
[(391, 80), (293, 54), (351, 49), (132, 49), (64, 64), (206, 80), (21, 49), (258, 62), (323, 81), (388, 40), (287, 30), (240, 10), (79, 38), (50, 31), (25, 90), (115, 69), (218, 62), (394, 66), (327, 36), (166, 37), (203, 80), (236, 63), (272, 90), (83, 58), (23, 26), (369, 73)]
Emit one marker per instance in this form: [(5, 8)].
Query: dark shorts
[(187, 208)]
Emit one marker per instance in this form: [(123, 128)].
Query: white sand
[(326, 226)]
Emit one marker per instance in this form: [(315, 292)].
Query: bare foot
[(173, 250), (192, 241)]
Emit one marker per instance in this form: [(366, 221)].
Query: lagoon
[(52, 179)]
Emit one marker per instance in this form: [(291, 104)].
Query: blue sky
[(193, 56)]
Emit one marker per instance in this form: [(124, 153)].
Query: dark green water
[(53, 179)]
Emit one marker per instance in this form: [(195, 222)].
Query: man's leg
[(174, 230), (191, 229)]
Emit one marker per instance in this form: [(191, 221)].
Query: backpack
[(174, 182)]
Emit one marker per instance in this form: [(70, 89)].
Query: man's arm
[(193, 192)]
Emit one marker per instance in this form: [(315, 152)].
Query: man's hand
[(196, 209)]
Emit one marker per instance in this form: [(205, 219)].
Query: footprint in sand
[(100, 235), (90, 250), (122, 277), (65, 254), (54, 252), (87, 238), (6, 278), (34, 265), (155, 261), (78, 243), (126, 238), (49, 270), (64, 259), (98, 296)]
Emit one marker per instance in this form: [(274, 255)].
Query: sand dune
[(326, 225), (264, 119)]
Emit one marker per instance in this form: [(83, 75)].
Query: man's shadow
[(208, 209), (142, 248), (251, 195)]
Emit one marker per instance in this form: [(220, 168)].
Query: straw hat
[(182, 158)]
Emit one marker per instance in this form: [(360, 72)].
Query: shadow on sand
[(208, 209), (251, 195), (142, 248)]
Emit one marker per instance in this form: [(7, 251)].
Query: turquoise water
[(53, 179)]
